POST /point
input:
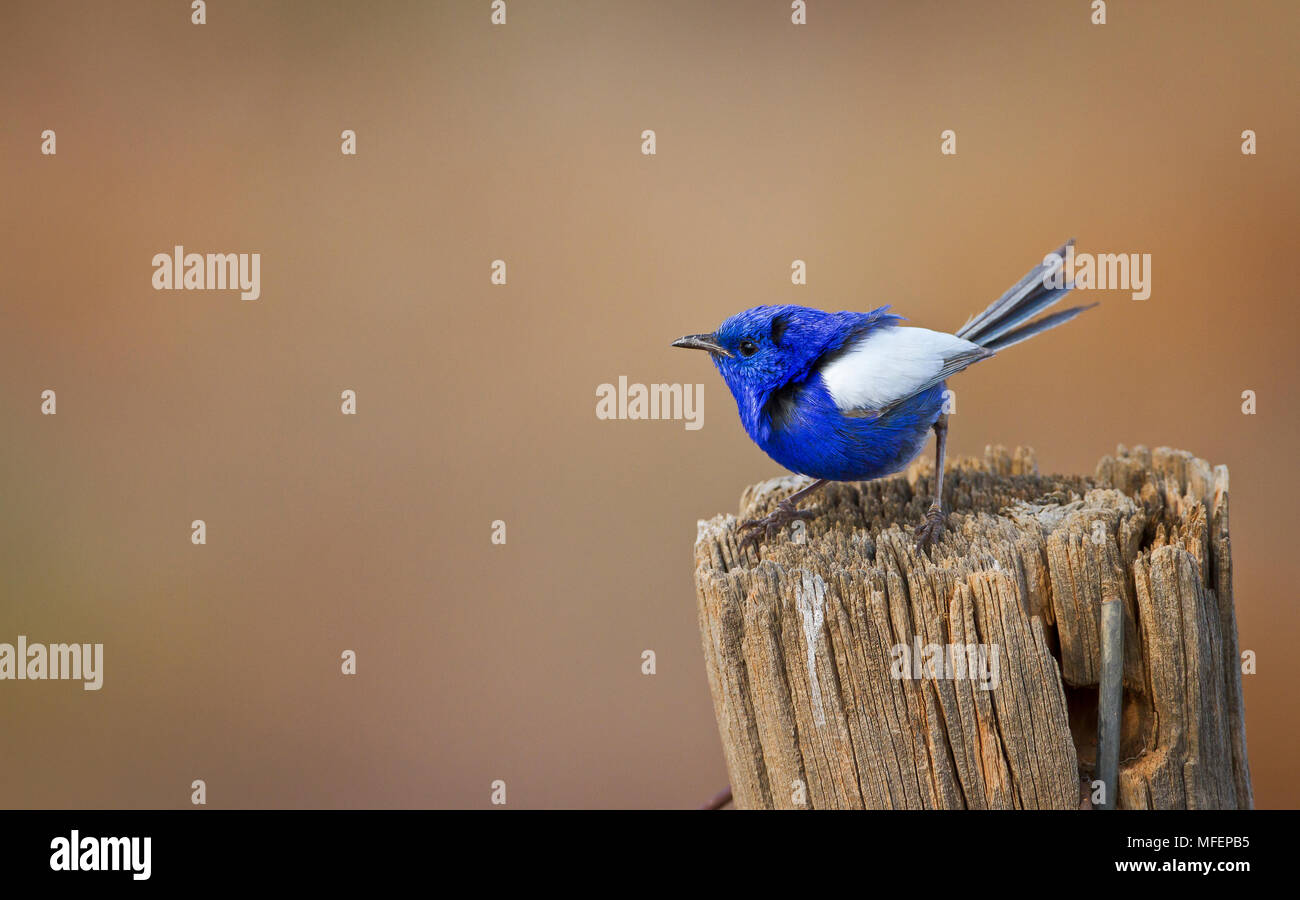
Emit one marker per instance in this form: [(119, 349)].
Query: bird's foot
[(785, 513), (927, 533)]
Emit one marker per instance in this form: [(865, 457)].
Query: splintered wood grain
[(816, 648)]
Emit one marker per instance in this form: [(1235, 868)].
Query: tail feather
[(1026, 310), (1033, 328), (1027, 298), (1030, 284)]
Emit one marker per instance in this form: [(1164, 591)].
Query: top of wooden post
[(848, 671)]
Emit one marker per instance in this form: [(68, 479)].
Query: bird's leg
[(928, 531), (783, 515)]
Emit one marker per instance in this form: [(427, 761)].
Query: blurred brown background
[(476, 402)]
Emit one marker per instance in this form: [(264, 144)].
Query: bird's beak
[(701, 342)]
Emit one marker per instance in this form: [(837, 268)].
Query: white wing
[(891, 364)]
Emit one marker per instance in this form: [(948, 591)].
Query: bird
[(853, 396)]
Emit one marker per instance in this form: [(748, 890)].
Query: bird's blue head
[(765, 348)]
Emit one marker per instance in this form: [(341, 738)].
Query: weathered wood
[(820, 706)]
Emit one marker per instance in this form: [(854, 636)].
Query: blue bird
[(853, 396)]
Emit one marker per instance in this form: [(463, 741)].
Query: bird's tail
[(1001, 325)]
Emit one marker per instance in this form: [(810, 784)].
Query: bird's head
[(765, 348)]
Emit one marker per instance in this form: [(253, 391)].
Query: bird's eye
[(748, 348)]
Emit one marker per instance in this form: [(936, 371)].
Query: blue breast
[(802, 429)]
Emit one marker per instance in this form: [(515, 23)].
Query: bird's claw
[(754, 530), (928, 532)]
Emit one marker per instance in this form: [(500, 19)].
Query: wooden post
[(849, 672)]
